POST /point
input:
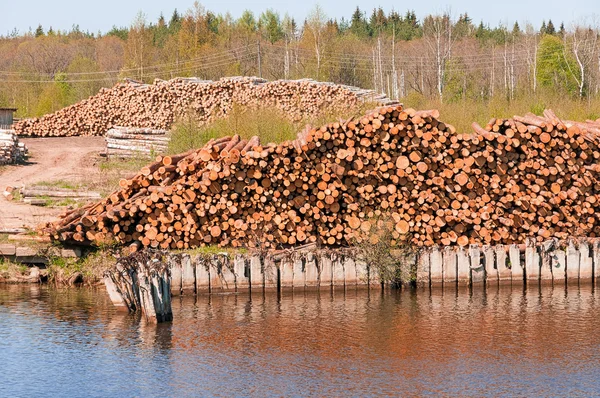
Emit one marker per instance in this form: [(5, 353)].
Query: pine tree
[(343, 25), (516, 29), (481, 32), (39, 31), (358, 24), (175, 22), (543, 29), (270, 26), (550, 28)]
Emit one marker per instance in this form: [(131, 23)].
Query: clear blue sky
[(102, 15)]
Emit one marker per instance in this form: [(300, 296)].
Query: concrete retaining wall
[(551, 262), (196, 274)]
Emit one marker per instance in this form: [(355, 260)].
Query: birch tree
[(581, 41), (315, 24), (439, 35)]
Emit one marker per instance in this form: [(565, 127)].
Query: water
[(71, 343)]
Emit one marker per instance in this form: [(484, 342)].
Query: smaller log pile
[(11, 150), (126, 142), (142, 282), (44, 195), (525, 177), (158, 105)]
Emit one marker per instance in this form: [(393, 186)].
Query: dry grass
[(111, 171), (462, 113), (392, 260), (268, 124), (9, 269), (91, 266)]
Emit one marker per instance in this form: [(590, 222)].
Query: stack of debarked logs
[(159, 105), (517, 178), (11, 150)]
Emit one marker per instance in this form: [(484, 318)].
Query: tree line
[(438, 57)]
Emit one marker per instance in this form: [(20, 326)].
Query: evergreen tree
[(247, 21), (561, 30), (160, 32), (270, 26), (550, 28), (516, 29), (39, 31), (543, 29), (344, 25), (121, 33), (377, 22), (213, 21), (358, 24), (463, 26), (175, 22), (481, 33)]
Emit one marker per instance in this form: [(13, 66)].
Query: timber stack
[(126, 142), (525, 177), (11, 150), (46, 195), (159, 105)]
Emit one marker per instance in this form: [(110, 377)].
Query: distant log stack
[(47, 196), (11, 150), (157, 106), (126, 142), (526, 177)]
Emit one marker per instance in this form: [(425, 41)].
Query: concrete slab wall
[(475, 266)]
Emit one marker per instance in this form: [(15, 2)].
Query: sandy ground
[(50, 159)]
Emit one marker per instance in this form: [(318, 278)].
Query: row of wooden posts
[(147, 283), (222, 273), (552, 261)]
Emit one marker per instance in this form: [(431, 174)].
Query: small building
[(6, 117)]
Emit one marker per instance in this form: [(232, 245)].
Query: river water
[(513, 342)]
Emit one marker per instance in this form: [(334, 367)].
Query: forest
[(467, 69)]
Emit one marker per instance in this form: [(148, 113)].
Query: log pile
[(157, 106), (126, 142), (44, 195), (11, 150), (525, 177)]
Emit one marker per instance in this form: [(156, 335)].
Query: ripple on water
[(71, 342)]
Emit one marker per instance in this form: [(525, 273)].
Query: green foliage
[(462, 113), (394, 262), (359, 25), (39, 31), (267, 124), (92, 266), (63, 184), (74, 64), (120, 32), (9, 269), (270, 26), (54, 96), (554, 64)]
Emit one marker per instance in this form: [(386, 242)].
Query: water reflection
[(495, 341)]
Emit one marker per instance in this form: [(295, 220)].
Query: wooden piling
[(142, 282)]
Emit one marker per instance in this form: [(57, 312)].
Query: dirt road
[(51, 159)]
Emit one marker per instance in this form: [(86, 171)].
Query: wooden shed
[(6, 117)]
